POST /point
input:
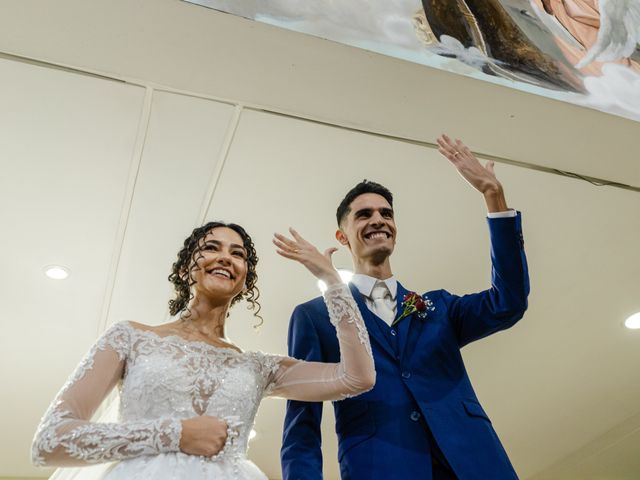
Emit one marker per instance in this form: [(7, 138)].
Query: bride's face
[(222, 265)]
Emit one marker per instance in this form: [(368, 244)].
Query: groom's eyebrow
[(368, 211)]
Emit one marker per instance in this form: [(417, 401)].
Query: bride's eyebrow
[(218, 243)]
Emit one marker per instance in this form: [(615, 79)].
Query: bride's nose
[(223, 258)]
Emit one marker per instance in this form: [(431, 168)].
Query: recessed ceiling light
[(633, 322), (56, 272), (345, 276)]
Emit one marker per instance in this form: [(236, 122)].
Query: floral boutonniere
[(412, 303)]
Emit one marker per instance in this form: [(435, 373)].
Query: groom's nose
[(377, 218)]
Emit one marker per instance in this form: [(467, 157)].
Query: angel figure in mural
[(605, 31), (486, 27), (188, 396)]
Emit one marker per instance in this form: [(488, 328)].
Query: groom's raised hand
[(482, 178)]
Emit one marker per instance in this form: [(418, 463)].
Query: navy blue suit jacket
[(422, 390)]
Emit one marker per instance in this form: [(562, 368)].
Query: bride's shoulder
[(140, 326), (162, 330)]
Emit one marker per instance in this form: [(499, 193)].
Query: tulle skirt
[(167, 466), (177, 466)]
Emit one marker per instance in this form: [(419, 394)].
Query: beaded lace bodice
[(164, 379)]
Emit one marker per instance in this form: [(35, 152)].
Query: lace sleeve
[(66, 437), (315, 381)]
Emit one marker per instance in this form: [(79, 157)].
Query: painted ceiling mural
[(581, 51)]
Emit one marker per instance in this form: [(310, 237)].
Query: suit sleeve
[(480, 314), (301, 454)]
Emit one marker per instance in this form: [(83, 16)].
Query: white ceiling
[(108, 177)]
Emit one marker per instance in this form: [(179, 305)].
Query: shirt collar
[(365, 284)]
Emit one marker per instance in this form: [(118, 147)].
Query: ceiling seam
[(214, 180), (579, 456), (222, 160), (125, 212), (599, 182)]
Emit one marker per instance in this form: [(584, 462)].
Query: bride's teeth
[(224, 273)]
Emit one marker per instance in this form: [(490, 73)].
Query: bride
[(188, 397)]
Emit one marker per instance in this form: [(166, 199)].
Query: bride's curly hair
[(186, 265)]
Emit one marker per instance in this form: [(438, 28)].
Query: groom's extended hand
[(482, 178)]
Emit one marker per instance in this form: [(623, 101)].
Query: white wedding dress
[(164, 379)]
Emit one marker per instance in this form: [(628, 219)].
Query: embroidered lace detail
[(165, 379), (342, 307), (269, 365), (95, 442), (116, 338)]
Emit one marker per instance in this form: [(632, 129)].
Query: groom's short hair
[(363, 187)]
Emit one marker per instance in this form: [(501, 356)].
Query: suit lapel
[(370, 322), (405, 323), (409, 328)]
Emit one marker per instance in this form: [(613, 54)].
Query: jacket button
[(406, 374), (393, 332), (415, 416)]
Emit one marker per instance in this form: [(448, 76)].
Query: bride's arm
[(314, 381), (66, 437)]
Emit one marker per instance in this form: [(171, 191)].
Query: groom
[(422, 420)]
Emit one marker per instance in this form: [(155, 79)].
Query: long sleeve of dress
[(316, 381), (66, 437)]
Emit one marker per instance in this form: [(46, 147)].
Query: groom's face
[(369, 229)]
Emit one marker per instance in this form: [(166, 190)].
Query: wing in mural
[(619, 32), (486, 25)]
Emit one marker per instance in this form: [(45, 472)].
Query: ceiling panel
[(183, 148), (66, 150)]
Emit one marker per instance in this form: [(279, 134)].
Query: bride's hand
[(203, 435), (298, 249)]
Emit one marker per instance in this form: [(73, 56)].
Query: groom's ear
[(341, 237)]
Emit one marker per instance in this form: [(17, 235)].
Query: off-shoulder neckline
[(182, 340)]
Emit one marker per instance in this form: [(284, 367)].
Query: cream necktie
[(382, 301)]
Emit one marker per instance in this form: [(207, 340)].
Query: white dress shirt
[(365, 284)]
